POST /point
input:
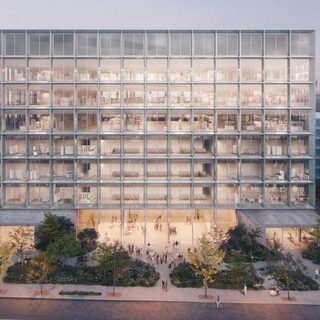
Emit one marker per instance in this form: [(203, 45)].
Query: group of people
[(158, 224), (173, 230)]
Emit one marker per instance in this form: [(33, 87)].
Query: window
[(251, 95), (133, 69), (157, 44), (227, 44), (157, 70), (110, 70), (203, 44), (203, 70), (276, 44), (63, 44), (39, 70), (15, 44), (87, 44), (275, 95), (300, 44), (180, 44), (133, 44), (300, 70), (63, 69), (251, 70), (110, 44), (276, 70), (227, 70), (180, 70), (251, 44), (39, 44), (87, 69)]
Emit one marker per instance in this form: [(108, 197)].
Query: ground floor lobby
[(156, 228)]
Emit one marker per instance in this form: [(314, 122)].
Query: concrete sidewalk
[(157, 294)]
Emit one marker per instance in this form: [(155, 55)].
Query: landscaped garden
[(233, 264), (63, 256)]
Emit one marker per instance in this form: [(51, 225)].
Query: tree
[(66, 246), (52, 228), (205, 260), (88, 239), (22, 241), (284, 269), (237, 263), (6, 253), (112, 258), (39, 269)]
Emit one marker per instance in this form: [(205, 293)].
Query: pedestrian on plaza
[(218, 301), (163, 284), (277, 291), (166, 285), (316, 273), (245, 289)]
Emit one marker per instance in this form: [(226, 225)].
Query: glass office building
[(150, 136)]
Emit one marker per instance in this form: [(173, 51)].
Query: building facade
[(154, 136)]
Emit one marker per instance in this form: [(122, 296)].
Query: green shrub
[(79, 293), (183, 276), (312, 253), (139, 273)]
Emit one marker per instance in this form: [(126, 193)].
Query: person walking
[(218, 301), (162, 283), (316, 274), (166, 285), (245, 289)]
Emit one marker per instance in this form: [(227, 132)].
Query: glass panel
[(39, 95), (133, 145), (276, 70), (39, 170), (300, 95), (63, 146), (15, 170), (251, 146), (110, 44), (110, 121), (63, 121), (15, 95), (157, 44), (251, 70), (87, 44), (203, 70), (87, 69), (227, 146), (15, 194), (87, 95), (299, 121), (38, 144), (39, 70), (63, 44), (276, 44), (15, 145), (202, 121), (133, 170), (157, 169), (14, 70), (180, 70), (299, 195), (133, 44), (110, 194), (15, 44), (157, 121), (63, 194), (227, 44), (133, 95), (133, 194), (87, 146), (63, 95), (251, 121), (157, 70), (180, 121), (251, 194), (251, 95), (203, 44), (87, 194), (39, 44), (133, 69), (227, 70), (157, 194), (227, 95), (299, 146), (157, 145), (110, 146), (39, 120), (157, 95), (227, 170), (276, 146), (300, 44), (203, 96), (180, 44), (251, 44), (227, 194), (133, 121), (276, 121), (87, 121), (63, 69), (180, 95), (276, 96), (86, 170), (109, 70), (110, 95), (180, 194), (276, 194), (15, 121), (300, 70), (227, 121), (251, 170)]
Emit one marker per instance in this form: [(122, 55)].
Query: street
[(29, 309)]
